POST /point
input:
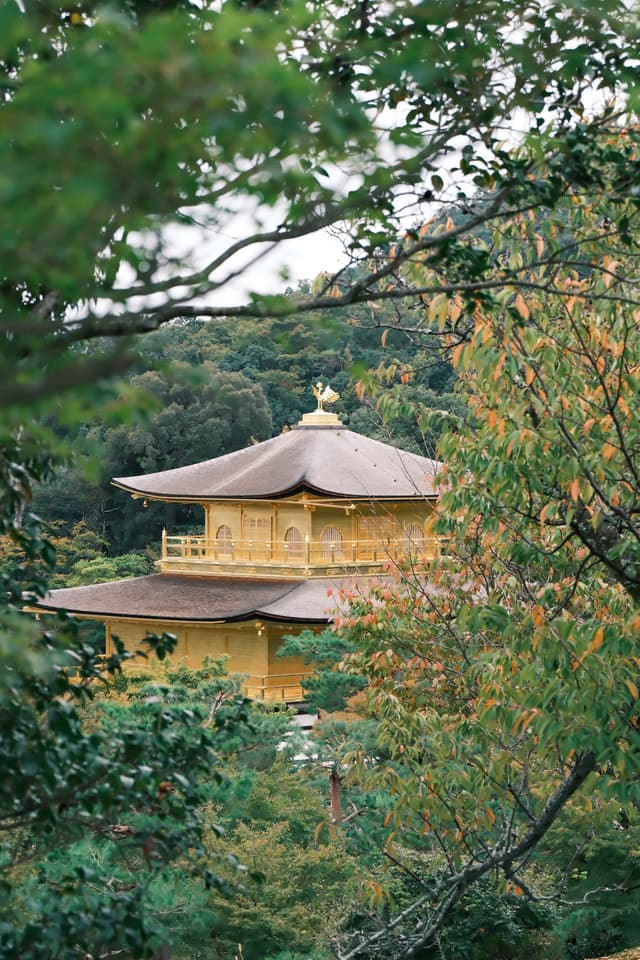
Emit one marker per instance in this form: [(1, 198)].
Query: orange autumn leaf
[(521, 307), (598, 640), (610, 267), (544, 513), (456, 354), (537, 615), (455, 309)]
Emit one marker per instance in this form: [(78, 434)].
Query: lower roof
[(200, 599)]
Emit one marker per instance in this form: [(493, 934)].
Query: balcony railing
[(305, 556), (277, 688)]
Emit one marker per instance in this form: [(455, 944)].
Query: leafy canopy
[(296, 115), (505, 678)]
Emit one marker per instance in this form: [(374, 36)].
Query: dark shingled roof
[(166, 597), (326, 460)]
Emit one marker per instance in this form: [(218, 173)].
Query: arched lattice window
[(223, 537), (414, 538), (293, 540), (331, 544)]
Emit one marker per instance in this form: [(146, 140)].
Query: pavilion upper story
[(316, 501)]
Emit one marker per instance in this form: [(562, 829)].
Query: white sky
[(302, 259)]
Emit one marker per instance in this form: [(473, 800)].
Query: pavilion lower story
[(243, 620), (251, 648)]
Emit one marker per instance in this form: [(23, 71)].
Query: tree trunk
[(335, 796)]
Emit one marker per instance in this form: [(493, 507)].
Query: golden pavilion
[(288, 523)]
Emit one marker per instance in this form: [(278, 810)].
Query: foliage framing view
[(304, 109), (282, 109), (505, 678)]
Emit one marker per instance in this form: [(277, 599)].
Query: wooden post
[(307, 551), (164, 543)]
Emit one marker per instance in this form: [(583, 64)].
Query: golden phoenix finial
[(324, 394)]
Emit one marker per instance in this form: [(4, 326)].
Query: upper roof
[(321, 459)]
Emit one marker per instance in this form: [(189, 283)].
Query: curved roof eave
[(279, 495)]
